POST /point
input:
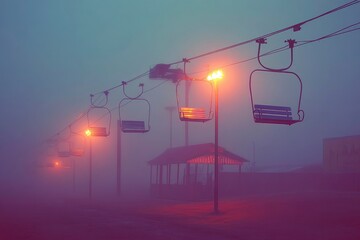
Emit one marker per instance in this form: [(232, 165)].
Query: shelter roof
[(200, 153)]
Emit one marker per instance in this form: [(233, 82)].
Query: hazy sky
[(53, 54)]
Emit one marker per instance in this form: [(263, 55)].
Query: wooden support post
[(177, 174)]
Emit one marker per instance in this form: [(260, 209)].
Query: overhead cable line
[(295, 27), (277, 50), (123, 105), (301, 43), (121, 84), (338, 32), (84, 113), (116, 108)]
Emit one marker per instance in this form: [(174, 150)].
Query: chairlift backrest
[(98, 131), (273, 114), (130, 126), (64, 154), (77, 152), (192, 114)]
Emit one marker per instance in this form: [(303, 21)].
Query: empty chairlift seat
[(98, 131), (128, 126), (193, 114), (273, 114), (78, 152), (64, 154)]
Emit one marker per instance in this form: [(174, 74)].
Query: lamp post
[(74, 175), (214, 76), (88, 134), (118, 159)]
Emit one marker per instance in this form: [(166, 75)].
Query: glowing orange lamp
[(57, 164), (88, 132), (218, 74)]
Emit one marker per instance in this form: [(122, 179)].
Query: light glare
[(88, 132), (218, 74)]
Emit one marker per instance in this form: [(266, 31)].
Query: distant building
[(342, 154)]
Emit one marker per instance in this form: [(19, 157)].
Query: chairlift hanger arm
[(141, 85), (291, 43), (72, 132), (63, 138), (93, 104)]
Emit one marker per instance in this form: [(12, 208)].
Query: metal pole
[(171, 129), (253, 165), (118, 162), (160, 180), (90, 169), (74, 186), (216, 157), (151, 174), (187, 89), (177, 174), (169, 169), (157, 174)]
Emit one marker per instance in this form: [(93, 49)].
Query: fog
[(55, 53)]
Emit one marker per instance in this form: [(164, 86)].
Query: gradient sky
[(53, 54)]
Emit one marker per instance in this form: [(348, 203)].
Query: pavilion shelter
[(187, 172)]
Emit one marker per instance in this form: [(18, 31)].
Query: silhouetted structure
[(342, 154), (187, 172), (164, 71)]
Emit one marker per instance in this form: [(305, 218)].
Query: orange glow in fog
[(57, 163), (218, 74), (88, 132)]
